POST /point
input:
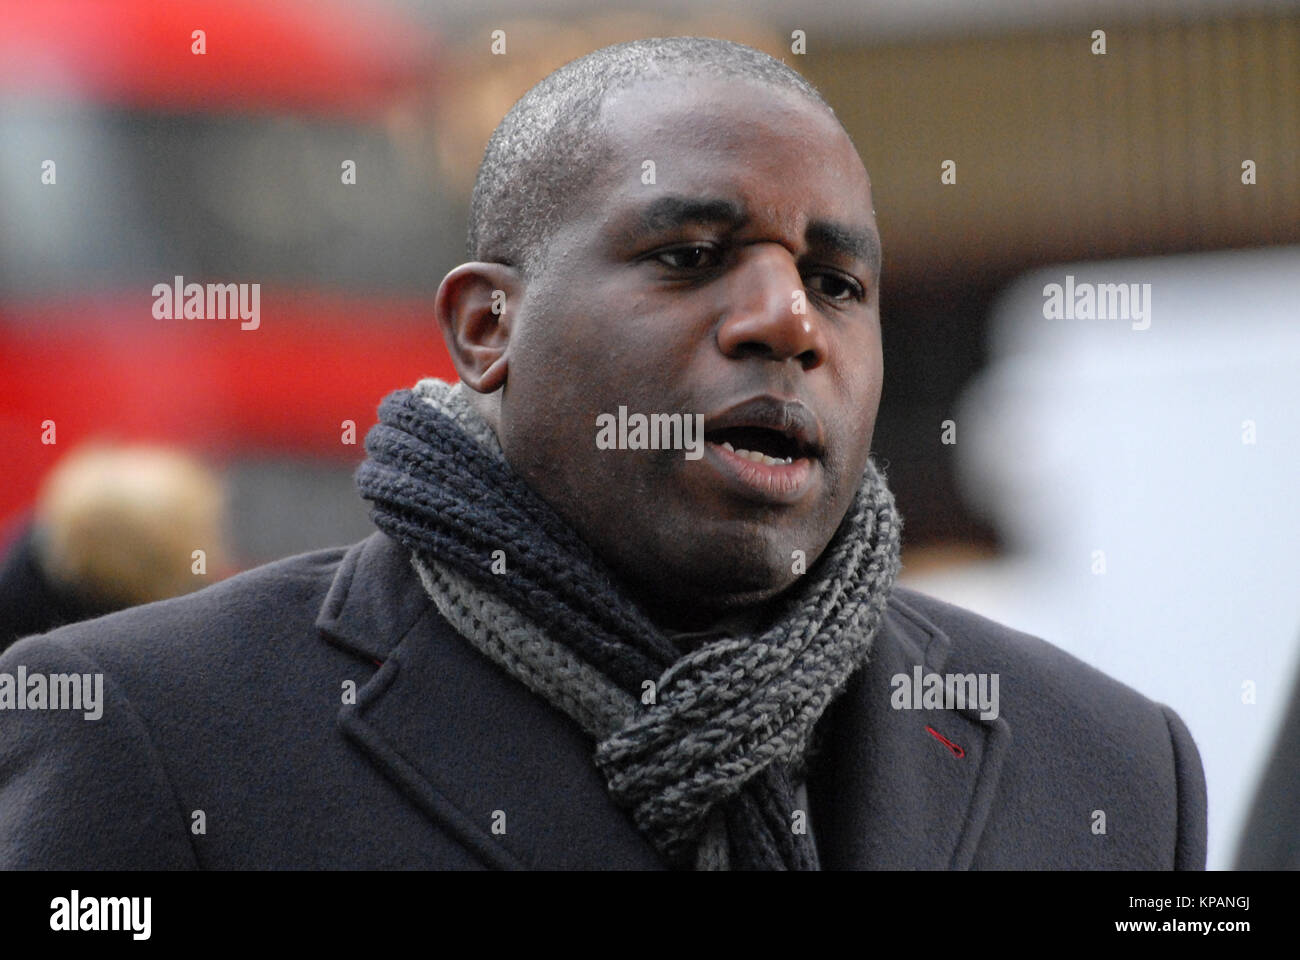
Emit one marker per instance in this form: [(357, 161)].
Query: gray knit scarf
[(708, 761)]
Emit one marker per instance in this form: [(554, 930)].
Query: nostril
[(752, 348)]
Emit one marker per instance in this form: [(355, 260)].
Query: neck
[(683, 620)]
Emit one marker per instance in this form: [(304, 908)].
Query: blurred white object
[(1145, 483)]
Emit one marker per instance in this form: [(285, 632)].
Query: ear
[(475, 306)]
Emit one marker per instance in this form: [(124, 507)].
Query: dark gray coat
[(230, 701)]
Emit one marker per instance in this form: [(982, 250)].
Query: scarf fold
[(703, 749)]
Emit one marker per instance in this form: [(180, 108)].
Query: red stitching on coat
[(957, 751)]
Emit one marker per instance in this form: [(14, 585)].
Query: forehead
[(771, 150)]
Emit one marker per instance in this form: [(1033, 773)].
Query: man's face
[(684, 296)]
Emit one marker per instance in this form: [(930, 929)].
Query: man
[(681, 652)]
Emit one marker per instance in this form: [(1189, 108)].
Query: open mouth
[(762, 465), (766, 449), (759, 445)]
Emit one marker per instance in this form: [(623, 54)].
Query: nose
[(770, 316)]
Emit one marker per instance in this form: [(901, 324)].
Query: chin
[(722, 580)]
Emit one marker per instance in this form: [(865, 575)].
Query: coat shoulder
[(1058, 693), (223, 701), (1078, 736), (977, 640), (227, 619)]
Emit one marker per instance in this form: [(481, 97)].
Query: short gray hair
[(547, 149)]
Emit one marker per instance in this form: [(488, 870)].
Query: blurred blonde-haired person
[(112, 527)]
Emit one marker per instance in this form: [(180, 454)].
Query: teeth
[(758, 457)]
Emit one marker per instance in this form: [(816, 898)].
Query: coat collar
[(474, 749), (468, 742), (374, 600)]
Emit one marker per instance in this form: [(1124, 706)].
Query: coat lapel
[(508, 775), (888, 793)]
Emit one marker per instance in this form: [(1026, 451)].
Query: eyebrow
[(668, 212), (846, 241)]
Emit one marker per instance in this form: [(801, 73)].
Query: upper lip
[(789, 417)]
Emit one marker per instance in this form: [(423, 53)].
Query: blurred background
[(1125, 492)]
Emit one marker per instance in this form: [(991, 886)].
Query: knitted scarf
[(704, 749)]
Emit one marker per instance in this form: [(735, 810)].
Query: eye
[(836, 286), (691, 256)]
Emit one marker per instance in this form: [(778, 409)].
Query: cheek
[(862, 375), (860, 385), (576, 330), (876, 382), (549, 366), (565, 370)]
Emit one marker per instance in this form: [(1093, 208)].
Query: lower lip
[(778, 483)]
